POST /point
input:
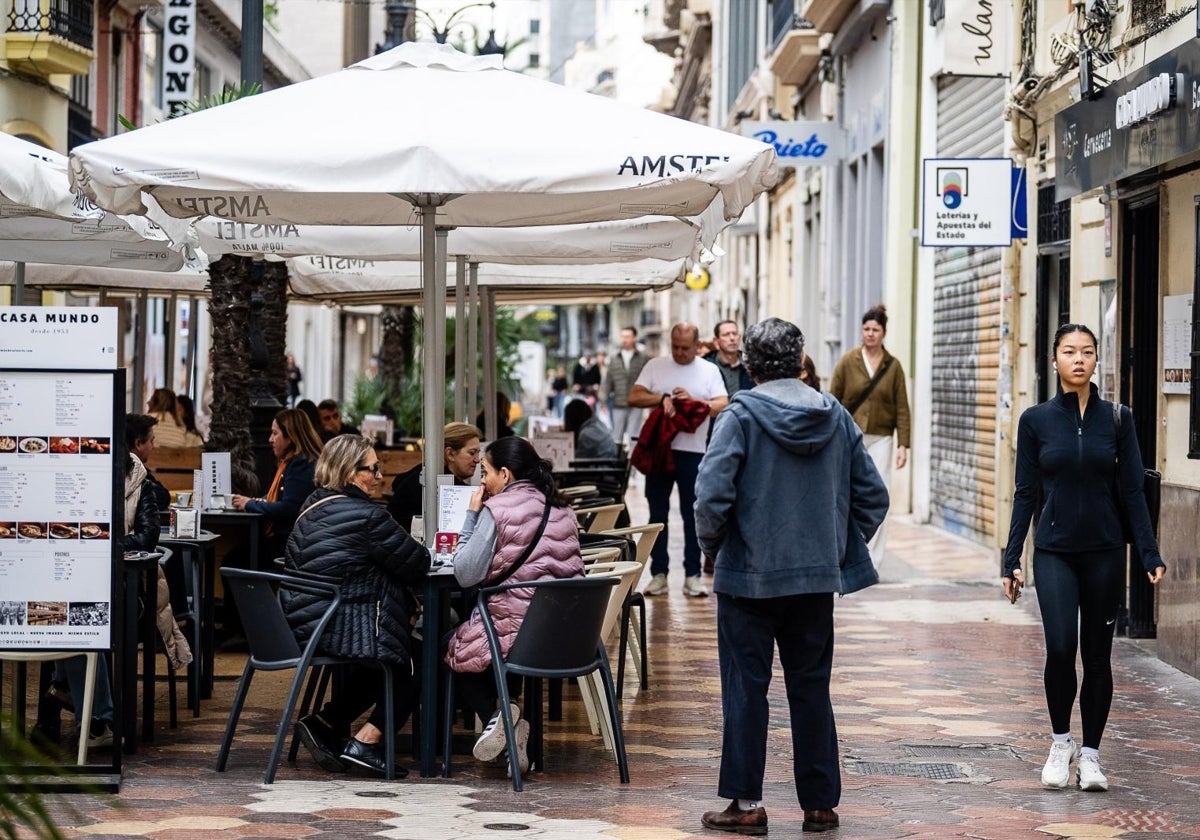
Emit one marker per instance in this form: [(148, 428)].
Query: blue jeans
[(74, 672), (658, 496), (747, 631)]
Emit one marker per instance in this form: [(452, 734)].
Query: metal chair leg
[(239, 700)]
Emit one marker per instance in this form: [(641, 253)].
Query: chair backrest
[(600, 555), (597, 518), (268, 633), (627, 573), (561, 629), (643, 535)]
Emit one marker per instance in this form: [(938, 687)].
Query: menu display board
[(56, 509)]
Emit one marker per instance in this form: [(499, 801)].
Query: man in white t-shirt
[(682, 376)]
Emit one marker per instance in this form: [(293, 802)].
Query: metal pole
[(193, 345), (433, 365), (488, 313), (460, 337), (169, 353), (139, 354), (252, 41), (18, 284), (472, 340)]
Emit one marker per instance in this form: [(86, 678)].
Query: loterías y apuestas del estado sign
[(800, 143)]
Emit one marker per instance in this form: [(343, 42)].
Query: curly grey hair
[(772, 349)]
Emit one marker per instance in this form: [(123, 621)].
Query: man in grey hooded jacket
[(786, 499)]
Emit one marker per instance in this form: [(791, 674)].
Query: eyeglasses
[(375, 468)]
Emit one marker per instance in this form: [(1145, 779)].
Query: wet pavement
[(941, 719)]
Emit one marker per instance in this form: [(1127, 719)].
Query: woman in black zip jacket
[(1086, 464)]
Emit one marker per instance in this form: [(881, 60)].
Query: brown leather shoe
[(823, 820), (736, 820)]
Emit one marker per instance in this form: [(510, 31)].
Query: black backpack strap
[(525, 555)]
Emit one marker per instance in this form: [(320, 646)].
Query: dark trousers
[(477, 692), (1079, 595), (658, 496), (357, 688), (747, 631)]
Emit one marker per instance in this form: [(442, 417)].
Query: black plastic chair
[(273, 647), (559, 638)]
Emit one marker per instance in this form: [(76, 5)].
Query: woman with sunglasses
[(344, 536)]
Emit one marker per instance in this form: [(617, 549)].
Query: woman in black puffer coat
[(342, 535)]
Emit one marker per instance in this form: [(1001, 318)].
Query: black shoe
[(58, 696), (321, 741), (369, 757)]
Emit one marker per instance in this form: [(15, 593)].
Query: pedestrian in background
[(1081, 452), (685, 393), (869, 382), (808, 373), (294, 378), (623, 371), (728, 358), (778, 449)]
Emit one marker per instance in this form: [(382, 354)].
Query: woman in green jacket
[(869, 382)]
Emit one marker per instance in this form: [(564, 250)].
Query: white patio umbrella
[(43, 221), (425, 132)]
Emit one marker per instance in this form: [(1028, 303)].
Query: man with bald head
[(667, 382)]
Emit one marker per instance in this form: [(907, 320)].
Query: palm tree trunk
[(229, 311)]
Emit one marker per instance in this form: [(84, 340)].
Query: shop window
[(1194, 398)]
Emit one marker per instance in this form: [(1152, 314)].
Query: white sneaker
[(1090, 777), (492, 742), (1057, 772), (522, 732), (658, 586), (694, 587)]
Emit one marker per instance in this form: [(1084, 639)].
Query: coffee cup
[(183, 499)]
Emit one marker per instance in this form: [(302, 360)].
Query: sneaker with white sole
[(1057, 771), (657, 586), (1090, 777), (521, 730), (694, 587), (492, 742)]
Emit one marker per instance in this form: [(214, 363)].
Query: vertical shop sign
[(976, 38), (179, 55)]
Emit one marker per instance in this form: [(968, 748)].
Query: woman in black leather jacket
[(343, 535), (1082, 453)]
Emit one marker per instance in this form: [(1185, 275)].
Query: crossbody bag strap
[(525, 555), (320, 502), (866, 392)]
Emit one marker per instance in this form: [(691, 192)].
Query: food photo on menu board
[(32, 530), (64, 531), (93, 530), (8, 530), (8, 444), (95, 446), (32, 445), (64, 445)]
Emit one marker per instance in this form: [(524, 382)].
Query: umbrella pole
[(472, 340), (433, 367), (139, 352), (18, 284), (460, 336), (488, 314)]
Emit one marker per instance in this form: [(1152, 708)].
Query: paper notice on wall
[(558, 448), (1177, 344)]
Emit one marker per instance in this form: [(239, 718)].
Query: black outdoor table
[(435, 592), (203, 548), (141, 576), (222, 521)]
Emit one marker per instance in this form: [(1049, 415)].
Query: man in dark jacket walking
[(776, 451)]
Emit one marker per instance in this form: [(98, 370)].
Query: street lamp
[(402, 16)]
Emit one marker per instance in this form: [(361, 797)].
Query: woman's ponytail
[(523, 461)]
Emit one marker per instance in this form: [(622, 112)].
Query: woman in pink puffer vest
[(503, 519)]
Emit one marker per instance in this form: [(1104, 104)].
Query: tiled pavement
[(935, 675)]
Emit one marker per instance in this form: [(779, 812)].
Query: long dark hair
[(521, 459)]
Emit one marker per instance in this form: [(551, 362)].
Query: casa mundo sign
[(967, 202), (800, 143), (1138, 123)]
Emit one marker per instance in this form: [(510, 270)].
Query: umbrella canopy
[(489, 146), (43, 221), (653, 237), (186, 281), (348, 280)]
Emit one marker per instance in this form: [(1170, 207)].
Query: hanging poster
[(1177, 344), (56, 509), (975, 38)]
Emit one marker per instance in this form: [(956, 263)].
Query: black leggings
[(1079, 595)]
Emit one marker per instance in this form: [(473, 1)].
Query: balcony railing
[(68, 19)]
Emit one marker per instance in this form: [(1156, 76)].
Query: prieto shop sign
[(967, 202)]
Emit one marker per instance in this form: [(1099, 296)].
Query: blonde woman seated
[(344, 536), (169, 432)]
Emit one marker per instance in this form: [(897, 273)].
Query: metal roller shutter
[(966, 330)]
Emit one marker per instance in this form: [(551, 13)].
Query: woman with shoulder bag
[(1084, 457), (342, 535), (518, 528)]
